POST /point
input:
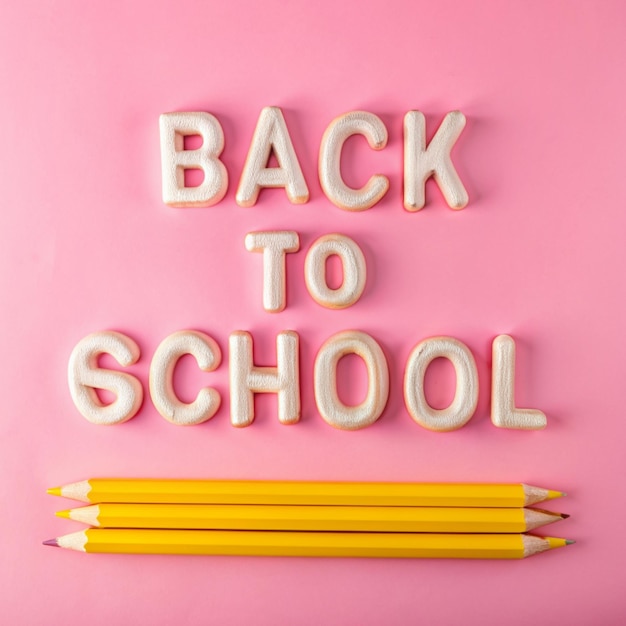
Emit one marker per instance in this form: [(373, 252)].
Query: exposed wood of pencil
[(307, 544), (294, 492), (312, 518)]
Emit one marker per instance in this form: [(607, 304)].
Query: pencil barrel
[(305, 493), (303, 544), (312, 518)]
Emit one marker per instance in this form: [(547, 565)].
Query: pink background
[(538, 253)]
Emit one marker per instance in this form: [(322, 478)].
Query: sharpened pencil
[(312, 518), (307, 544), (128, 490)]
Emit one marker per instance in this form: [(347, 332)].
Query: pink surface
[(538, 253)]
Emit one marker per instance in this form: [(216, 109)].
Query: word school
[(247, 379)]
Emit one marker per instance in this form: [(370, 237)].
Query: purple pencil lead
[(51, 542)]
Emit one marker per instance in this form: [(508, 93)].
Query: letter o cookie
[(354, 271), (465, 399), (329, 405)]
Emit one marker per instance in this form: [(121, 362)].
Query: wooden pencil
[(304, 492), (312, 518), (307, 544)]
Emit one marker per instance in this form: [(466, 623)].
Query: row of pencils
[(322, 519)]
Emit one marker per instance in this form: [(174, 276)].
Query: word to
[(276, 244)]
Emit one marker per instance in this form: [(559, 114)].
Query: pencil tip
[(51, 542), (569, 542), (555, 494), (65, 514), (54, 491), (564, 515)]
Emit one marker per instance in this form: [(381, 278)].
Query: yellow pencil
[(307, 544), (294, 492), (312, 518)]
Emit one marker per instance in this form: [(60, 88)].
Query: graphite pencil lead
[(51, 542)]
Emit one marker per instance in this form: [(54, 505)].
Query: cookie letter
[(175, 159), (164, 398), (330, 407), (504, 413), (344, 126), (246, 379), (85, 377), (466, 393), (273, 245), (354, 271), (271, 134), (421, 162)]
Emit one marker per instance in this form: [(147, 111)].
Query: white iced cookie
[(207, 354), (421, 162), (175, 159), (504, 413), (271, 135), (353, 266), (465, 399), (339, 130), (329, 405), (85, 377), (274, 245), (246, 379)]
